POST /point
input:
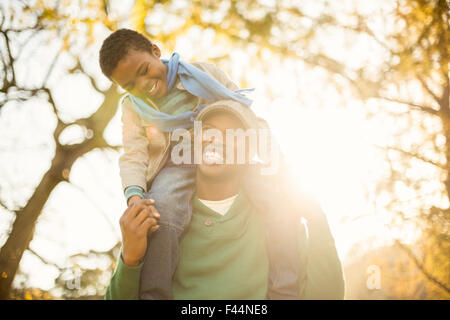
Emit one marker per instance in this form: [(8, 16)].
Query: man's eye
[(145, 71)]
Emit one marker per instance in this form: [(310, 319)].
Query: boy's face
[(142, 74)]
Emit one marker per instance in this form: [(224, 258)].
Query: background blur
[(357, 92)]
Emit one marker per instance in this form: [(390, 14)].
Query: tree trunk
[(23, 227)]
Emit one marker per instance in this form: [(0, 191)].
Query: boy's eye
[(145, 70)]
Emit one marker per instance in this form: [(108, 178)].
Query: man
[(223, 252)]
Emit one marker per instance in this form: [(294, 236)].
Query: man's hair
[(117, 45)]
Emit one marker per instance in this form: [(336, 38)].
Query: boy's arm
[(124, 283), (133, 162), (324, 275)]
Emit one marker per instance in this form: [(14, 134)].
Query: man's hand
[(140, 217)]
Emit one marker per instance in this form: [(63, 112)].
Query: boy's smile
[(142, 74)]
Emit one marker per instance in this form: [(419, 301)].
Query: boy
[(165, 95)]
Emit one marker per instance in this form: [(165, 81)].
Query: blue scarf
[(196, 82)]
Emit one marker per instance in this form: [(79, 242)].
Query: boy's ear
[(156, 51)]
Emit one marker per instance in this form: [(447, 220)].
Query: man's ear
[(156, 51)]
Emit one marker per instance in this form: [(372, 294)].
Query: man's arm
[(137, 220), (124, 283), (324, 277)]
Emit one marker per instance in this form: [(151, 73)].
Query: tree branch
[(79, 67), (427, 88), (414, 155), (411, 104), (422, 268), (43, 260)]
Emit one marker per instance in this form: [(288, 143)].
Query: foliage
[(410, 85)]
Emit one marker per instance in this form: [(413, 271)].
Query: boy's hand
[(133, 199), (136, 221)]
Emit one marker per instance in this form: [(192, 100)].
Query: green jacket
[(226, 259)]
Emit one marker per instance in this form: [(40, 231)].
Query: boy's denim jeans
[(172, 190)]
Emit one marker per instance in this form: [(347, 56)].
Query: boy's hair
[(116, 46)]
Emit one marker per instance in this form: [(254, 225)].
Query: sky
[(326, 135)]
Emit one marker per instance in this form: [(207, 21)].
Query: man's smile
[(213, 154), (212, 157)]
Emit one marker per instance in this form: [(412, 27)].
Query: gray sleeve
[(324, 278)]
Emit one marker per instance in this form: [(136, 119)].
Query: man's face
[(142, 74), (215, 149)]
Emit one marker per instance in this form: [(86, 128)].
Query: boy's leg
[(171, 190)]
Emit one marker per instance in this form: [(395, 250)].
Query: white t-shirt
[(220, 206)]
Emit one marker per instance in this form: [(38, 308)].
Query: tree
[(412, 36), (32, 21)]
